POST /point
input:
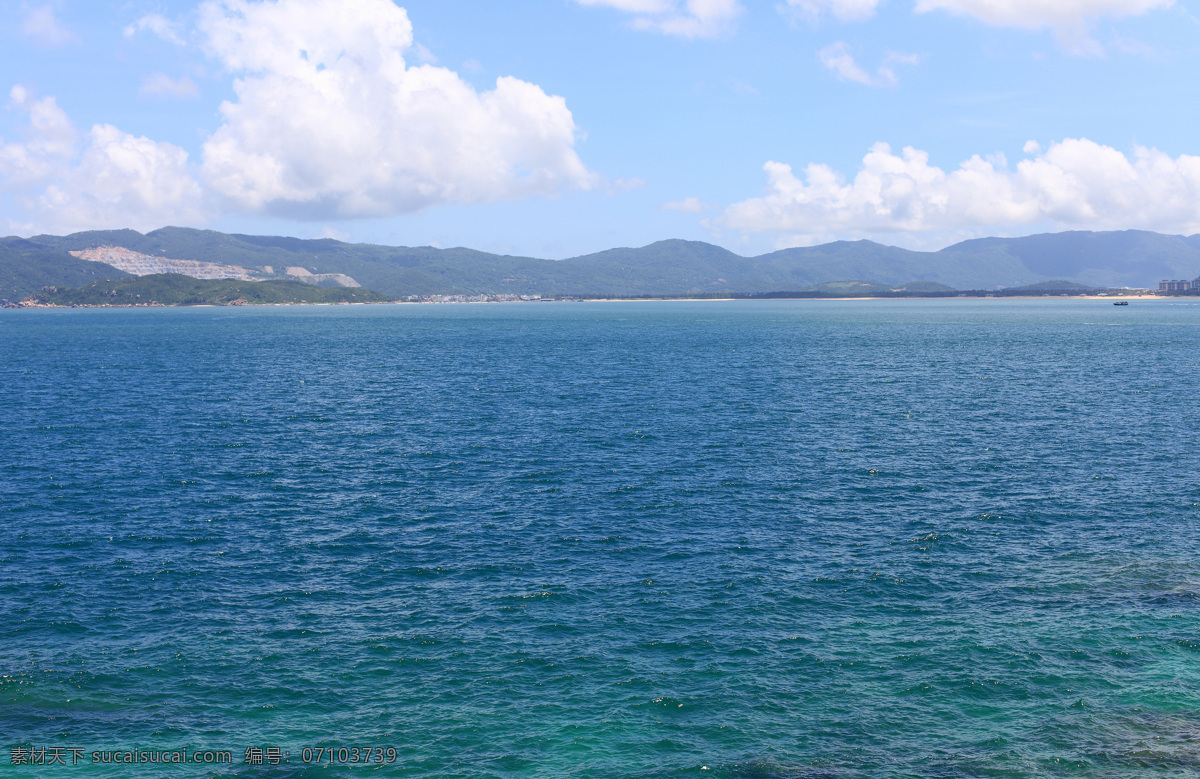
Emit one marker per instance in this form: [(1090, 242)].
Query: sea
[(818, 539)]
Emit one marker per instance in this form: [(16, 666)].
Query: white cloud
[(51, 139), (1069, 19), (1034, 14), (43, 27), (107, 178), (900, 58), (162, 85), (329, 121), (689, 205), (837, 58), (1073, 184), (684, 18), (123, 180), (159, 25), (844, 10)]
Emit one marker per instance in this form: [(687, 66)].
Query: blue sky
[(563, 127)]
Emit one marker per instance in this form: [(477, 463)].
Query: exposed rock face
[(303, 274), (145, 264)]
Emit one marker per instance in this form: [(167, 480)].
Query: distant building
[(1179, 285)]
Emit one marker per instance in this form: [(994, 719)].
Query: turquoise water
[(725, 539)]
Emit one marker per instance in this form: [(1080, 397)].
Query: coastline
[(28, 305), (1114, 298)]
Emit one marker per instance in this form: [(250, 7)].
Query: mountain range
[(1128, 258)]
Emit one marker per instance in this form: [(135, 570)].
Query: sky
[(555, 128)]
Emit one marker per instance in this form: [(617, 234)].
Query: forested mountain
[(673, 267)]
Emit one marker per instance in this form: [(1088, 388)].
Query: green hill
[(1054, 287), (172, 289), (26, 267)]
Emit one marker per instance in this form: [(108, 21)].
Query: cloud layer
[(1075, 183), (1030, 14), (98, 179), (329, 122), (162, 85), (43, 27), (158, 25), (1033, 14), (838, 59), (844, 10), (683, 18)]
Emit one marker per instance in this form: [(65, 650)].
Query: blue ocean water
[(725, 539)]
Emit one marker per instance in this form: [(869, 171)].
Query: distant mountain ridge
[(1129, 258)]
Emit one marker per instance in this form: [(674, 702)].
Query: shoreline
[(1108, 297)]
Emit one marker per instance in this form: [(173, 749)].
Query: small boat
[(1121, 303)]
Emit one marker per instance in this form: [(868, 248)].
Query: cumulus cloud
[(1072, 184), (329, 120), (844, 10), (126, 180), (50, 139), (684, 18), (102, 178), (162, 85), (41, 26)]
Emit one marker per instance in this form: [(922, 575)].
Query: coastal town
[(1179, 286)]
